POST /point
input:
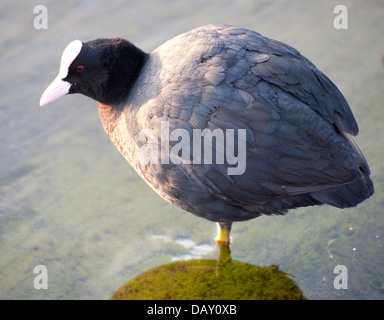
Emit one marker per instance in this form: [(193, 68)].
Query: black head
[(102, 69)]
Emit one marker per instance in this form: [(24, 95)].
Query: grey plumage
[(299, 152)]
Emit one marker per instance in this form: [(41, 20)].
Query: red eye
[(80, 68)]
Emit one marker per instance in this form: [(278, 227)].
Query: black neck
[(125, 69)]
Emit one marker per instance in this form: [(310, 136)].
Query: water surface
[(70, 202)]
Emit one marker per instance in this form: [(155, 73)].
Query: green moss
[(204, 280)]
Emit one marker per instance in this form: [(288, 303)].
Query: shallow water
[(70, 202)]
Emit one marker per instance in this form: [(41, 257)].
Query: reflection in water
[(209, 279), (193, 250), (328, 244)]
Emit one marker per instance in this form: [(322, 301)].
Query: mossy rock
[(204, 280)]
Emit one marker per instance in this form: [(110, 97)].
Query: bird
[(222, 122)]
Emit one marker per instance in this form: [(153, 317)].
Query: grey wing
[(295, 119), (293, 73)]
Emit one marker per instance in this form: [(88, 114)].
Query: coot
[(222, 122)]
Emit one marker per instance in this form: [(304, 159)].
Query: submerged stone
[(206, 280)]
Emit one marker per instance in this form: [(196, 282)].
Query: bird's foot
[(223, 232), (223, 240)]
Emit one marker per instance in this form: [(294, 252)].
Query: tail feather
[(349, 195)]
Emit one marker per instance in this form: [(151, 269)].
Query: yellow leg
[(223, 232), (223, 240)]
